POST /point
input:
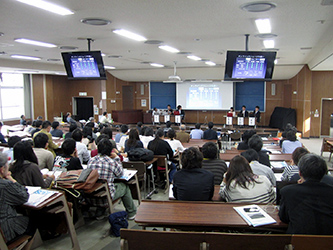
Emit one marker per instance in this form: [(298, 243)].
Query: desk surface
[(204, 215), (272, 157), (197, 142)]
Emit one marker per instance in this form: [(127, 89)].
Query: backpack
[(140, 154), (78, 179), (118, 221)]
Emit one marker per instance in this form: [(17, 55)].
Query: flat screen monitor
[(249, 65), (84, 65)]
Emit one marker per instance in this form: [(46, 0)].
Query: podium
[(252, 121), (178, 119), (228, 121), (240, 121)]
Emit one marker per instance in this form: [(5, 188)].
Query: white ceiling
[(219, 25)]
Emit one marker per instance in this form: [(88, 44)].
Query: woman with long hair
[(241, 185), (133, 140), (25, 167)]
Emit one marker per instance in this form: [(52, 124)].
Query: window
[(11, 96)]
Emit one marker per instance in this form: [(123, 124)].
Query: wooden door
[(327, 110), (128, 97)]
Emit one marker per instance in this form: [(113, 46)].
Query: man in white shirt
[(82, 151)]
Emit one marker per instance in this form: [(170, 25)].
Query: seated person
[(88, 139), (13, 194), (241, 185), (147, 137), (139, 127), (255, 143), (307, 207), (123, 131), (23, 121), (196, 133), (180, 112), (133, 140), (45, 158), (243, 112), (288, 127), (72, 127), (176, 145), (231, 112), (46, 127), (105, 119), (292, 169), (169, 110), (109, 166), (210, 134), (28, 128), (99, 138), (160, 147), (37, 124), (257, 168), (56, 132), (155, 111), (82, 150), (243, 145), (25, 167), (167, 127), (291, 143), (2, 138), (256, 113), (69, 118), (69, 159), (211, 163), (182, 136), (192, 183), (11, 143)]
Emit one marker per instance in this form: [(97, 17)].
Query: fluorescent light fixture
[(263, 25), (275, 61), (26, 57), (48, 6), (156, 65), (195, 58), (109, 67), (269, 44), (102, 54), (168, 48), (210, 63), (37, 43), (130, 35)]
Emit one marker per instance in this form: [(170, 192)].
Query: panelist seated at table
[(243, 145), (13, 194), (180, 112), (210, 134), (307, 207), (256, 143), (182, 136), (241, 185), (169, 110), (231, 112), (257, 168), (192, 183), (196, 133), (256, 113), (210, 162), (25, 167), (243, 112)]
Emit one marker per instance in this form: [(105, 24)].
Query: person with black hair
[(256, 143), (211, 162), (45, 157), (72, 127), (210, 134), (11, 143), (241, 185), (291, 143), (133, 140), (288, 127), (147, 137), (98, 139), (25, 167), (167, 127), (196, 133), (256, 113), (37, 127), (56, 132), (169, 110), (28, 127), (180, 112), (22, 120), (107, 131), (46, 127), (307, 206), (243, 145), (69, 159), (175, 144), (82, 151), (109, 166), (160, 147), (139, 127), (243, 112), (88, 138), (69, 118), (192, 183), (2, 138), (123, 130), (257, 168), (292, 169)]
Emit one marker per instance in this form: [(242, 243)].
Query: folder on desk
[(254, 215), (38, 195), (127, 174)]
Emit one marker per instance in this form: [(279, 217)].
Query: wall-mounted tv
[(84, 65), (249, 65)]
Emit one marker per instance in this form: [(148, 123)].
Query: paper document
[(254, 215), (56, 173), (38, 196), (279, 164), (127, 174)]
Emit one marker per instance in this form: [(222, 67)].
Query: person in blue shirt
[(56, 132), (123, 129), (69, 118), (196, 133), (23, 121), (2, 138)]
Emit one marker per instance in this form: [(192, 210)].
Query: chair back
[(140, 166), (307, 242)]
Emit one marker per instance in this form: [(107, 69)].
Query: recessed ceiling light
[(263, 25), (115, 56), (95, 21), (2, 34), (53, 60), (33, 58), (37, 43), (157, 65), (68, 47), (102, 54), (269, 44), (169, 48), (48, 6), (258, 6), (210, 63), (130, 35), (153, 42), (195, 58), (266, 36), (109, 67)]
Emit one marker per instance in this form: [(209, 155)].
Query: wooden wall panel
[(38, 95)]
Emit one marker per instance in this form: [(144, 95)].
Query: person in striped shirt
[(292, 169)]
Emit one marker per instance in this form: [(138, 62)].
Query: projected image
[(203, 96), (249, 66), (84, 66)]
